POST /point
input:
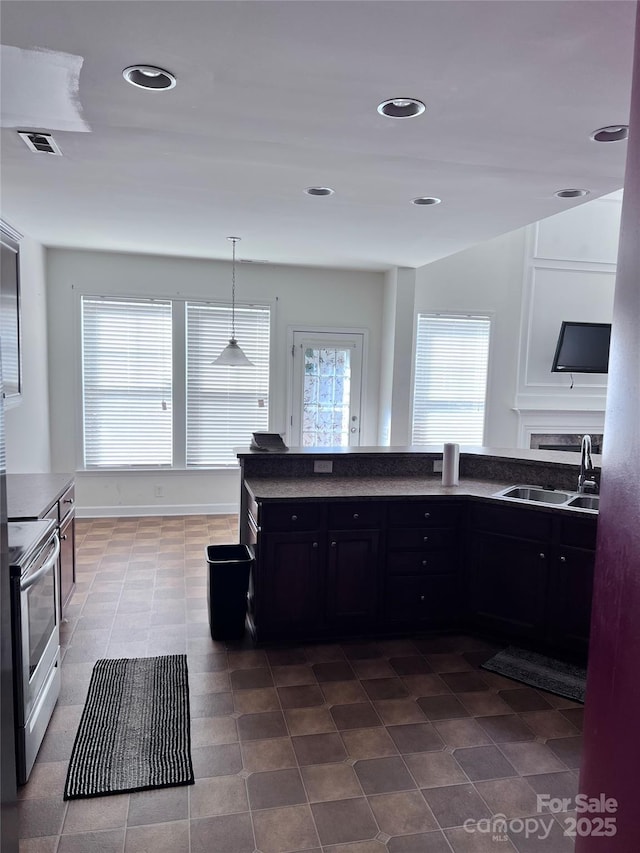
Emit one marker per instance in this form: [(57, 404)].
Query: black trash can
[(228, 568)]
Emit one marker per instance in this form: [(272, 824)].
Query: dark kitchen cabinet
[(508, 585), (422, 584), (353, 557)]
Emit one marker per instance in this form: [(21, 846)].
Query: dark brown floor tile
[(161, 838), (483, 762), (324, 652), (510, 797), (396, 712), (415, 737), (331, 782), (506, 728), (256, 701), (549, 724), (524, 699), (454, 804), (476, 839), (361, 651), (218, 795), (211, 705), (232, 833), (385, 688), (359, 715), (275, 788), (333, 671), (425, 842), (372, 668), (568, 750), (343, 692), (483, 704), (40, 817), (110, 841), (208, 731), (309, 721), (562, 785), (165, 804), (341, 821), (319, 749), (404, 813), (247, 659), (260, 726), (45, 844), (425, 685), (435, 769), (285, 676), (222, 760), (531, 757), (242, 679), (290, 828), (464, 682), (575, 716), (208, 662), (445, 707), (368, 743), (438, 645), (286, 656), (300, 696), (448, 663), (273, 754), (464, 732), (382, 775), (410, 665)]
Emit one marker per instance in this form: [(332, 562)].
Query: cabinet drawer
[(422, 514), (289, 517), (355, 514), (425, 538), (420, 563), (512, 521), (579, 532), (66, 503)]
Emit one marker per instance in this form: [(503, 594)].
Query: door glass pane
[(326, 392)]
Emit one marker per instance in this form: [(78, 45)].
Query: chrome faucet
[(586, 478)]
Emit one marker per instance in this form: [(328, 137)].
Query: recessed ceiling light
[(571, 193), (425, 199), (401, 108), (611, 133), (149, 77), (319, 191)]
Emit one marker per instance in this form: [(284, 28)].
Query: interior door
[(327, 383)]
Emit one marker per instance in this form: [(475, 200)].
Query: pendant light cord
[(233, 291)]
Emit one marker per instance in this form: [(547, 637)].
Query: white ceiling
[(273, 97)]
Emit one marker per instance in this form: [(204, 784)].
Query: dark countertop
[(349, 488), (30, 496)]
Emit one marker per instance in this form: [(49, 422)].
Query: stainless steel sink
[(585, 502), (536, 494)]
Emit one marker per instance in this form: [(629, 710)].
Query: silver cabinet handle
[(427, 515), (67, 501), (63, 537), (425, 538), (563, 559), (333, 544), (294, 518), (541, 555), (424, 562), (422, 598), (355, 515), (315, 545)]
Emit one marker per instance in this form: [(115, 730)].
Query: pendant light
[(232, 355)]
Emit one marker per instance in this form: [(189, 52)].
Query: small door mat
[(554, 676), (134, 733)]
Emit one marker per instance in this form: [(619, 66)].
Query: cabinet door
[(508, 586), (288, 584), (352, 578), (571, 591), (67, 560)]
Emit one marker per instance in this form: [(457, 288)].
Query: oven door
[(38, 637)]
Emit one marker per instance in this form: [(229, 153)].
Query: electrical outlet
[(322, 466), (159, 491), (437, 466)]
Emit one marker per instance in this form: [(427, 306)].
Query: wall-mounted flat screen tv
[(582, 348)]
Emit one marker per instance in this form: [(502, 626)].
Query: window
[(141, 355), (224, 404), (126, 377), (452, 354)]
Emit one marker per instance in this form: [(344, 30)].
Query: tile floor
[(359, 747)]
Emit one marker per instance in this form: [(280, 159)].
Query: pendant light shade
[(232, 355)]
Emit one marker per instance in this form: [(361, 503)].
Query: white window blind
[(126, 369), (225, 404), (450, 385)]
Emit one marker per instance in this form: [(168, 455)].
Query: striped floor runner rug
[(554, 676), (134, 733)]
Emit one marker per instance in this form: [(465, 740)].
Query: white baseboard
[(156, 509)]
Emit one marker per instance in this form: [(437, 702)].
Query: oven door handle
[(44, 568)]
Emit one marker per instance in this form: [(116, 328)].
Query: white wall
[(485, 279), (27, 419), (298, 295)]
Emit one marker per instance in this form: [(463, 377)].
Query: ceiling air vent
[(40, 143)]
